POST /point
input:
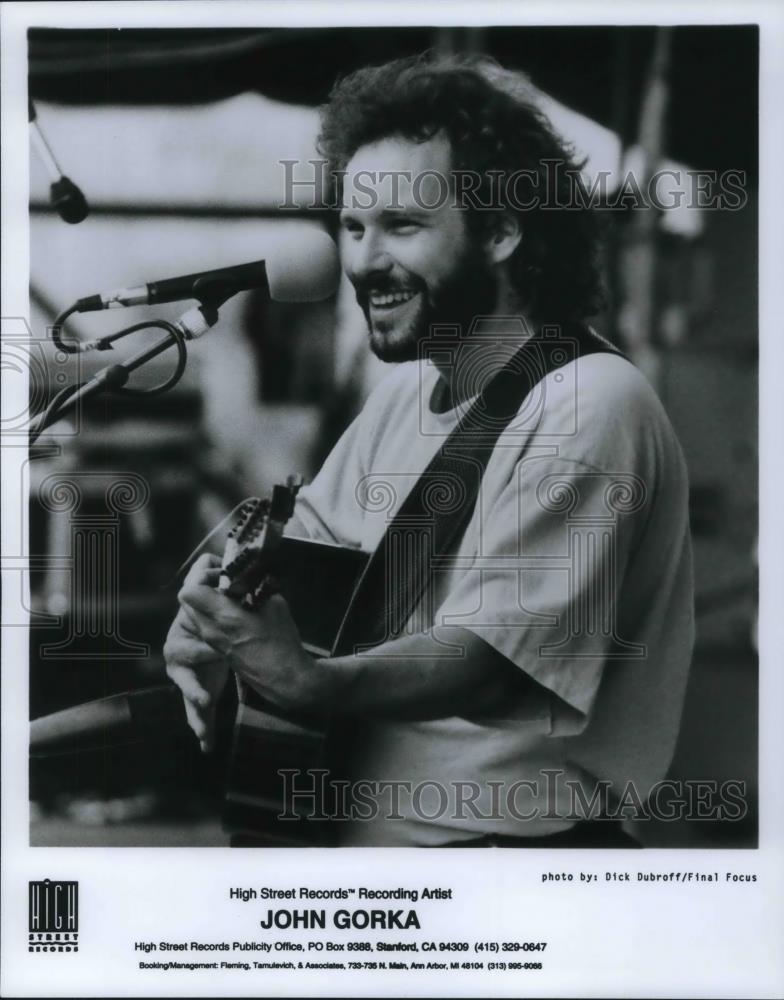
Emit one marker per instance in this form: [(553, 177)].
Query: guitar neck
[(270, 748)]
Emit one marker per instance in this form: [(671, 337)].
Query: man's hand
[(262, 646), (423, 676), (194, 666)]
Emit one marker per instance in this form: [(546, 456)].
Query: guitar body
[(278, 792)]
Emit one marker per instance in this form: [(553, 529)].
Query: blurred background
[(176, 138)]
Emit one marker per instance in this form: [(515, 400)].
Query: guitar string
[(194, 555)]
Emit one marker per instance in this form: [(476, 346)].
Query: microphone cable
[(49, 415)]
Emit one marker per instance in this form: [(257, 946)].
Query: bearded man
[(544, 669)]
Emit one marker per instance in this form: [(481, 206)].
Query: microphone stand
[(124, 718), (191, 325)]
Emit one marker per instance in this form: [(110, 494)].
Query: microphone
[(68, 200), (302, 268), (65, 196)]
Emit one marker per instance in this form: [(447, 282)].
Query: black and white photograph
[(387, 464)]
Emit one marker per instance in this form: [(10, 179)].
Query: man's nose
[(367, 256)]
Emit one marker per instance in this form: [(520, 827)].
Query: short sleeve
[(543, 587), (327, 509)]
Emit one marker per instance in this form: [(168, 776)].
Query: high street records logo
[(53, 916)]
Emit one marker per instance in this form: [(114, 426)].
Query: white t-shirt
[(576, 566)]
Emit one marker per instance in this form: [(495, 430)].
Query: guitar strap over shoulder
[(393, 594), (396, 582)]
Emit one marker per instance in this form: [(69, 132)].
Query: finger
[(207, 745), (191, 622), (277, 607), (190, 653), (211, 636), (207, 562), (192, 690), (202, 600), (200, 707), (195, 585), (187, 647), (202, 724), (187, 621)]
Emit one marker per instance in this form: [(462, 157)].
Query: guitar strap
[(397, 580), (394, 587)]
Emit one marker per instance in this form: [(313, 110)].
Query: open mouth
[(390, 300)]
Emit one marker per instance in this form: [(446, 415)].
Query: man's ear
[(504, 238)]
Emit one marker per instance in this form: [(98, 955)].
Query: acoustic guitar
[(278, 790), (274, 758)]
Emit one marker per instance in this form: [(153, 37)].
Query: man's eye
[(404, 225), (352, 228)]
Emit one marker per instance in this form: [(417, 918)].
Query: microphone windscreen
[(69, 201), (303, 267)]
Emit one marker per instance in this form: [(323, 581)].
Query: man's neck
[(471, 362)]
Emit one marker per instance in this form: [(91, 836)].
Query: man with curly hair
[(535, 692)]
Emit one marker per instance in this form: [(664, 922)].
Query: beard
[(469, 292)]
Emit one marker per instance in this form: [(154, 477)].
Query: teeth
[(392, 299)]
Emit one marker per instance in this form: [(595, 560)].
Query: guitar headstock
[(249, 557)]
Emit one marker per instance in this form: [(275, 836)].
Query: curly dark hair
[(494, 128)]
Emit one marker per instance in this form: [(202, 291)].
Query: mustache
[(363, 288)]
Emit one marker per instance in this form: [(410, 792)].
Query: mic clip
[(213, 290), (197, 321)]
